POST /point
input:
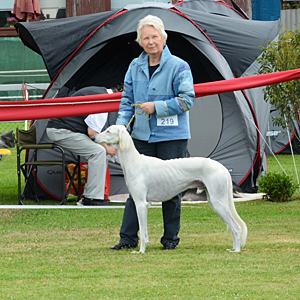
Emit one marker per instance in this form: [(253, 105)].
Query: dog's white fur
[(152, 179)]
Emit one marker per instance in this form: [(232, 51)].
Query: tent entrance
[(107, 67), (206, 125)]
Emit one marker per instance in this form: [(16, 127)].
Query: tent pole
[(292, 152)]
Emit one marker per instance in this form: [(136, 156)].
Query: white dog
[(165, 179)]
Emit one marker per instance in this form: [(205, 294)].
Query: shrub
[(277, 187)]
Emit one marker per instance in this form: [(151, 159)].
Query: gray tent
[(218, 41), (278, 140)]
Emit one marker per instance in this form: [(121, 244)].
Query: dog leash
[(137, 106)]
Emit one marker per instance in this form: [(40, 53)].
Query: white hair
[(154, 21)]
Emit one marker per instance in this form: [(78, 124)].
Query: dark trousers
[(171, 209)]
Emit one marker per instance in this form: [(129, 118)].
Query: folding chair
[(26, 140)]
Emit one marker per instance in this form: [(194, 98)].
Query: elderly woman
[(164, 84)]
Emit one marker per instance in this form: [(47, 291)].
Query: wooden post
[(85, 7)]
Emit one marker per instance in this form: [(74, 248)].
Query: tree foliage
[(283, 55)]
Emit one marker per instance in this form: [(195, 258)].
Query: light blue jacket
[(171, 89)]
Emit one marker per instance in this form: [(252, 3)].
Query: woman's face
[(151, 40)]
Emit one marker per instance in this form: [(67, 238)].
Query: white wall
[(49, 8), (6, 5), (52, 4), (290, 18)]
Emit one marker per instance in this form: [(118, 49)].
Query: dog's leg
[(142, 212), (222, 209), (220, 198), (236, 233)]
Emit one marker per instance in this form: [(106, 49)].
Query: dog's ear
[(124, 139)]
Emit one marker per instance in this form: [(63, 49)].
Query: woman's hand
[(110, 150), (148, 107)]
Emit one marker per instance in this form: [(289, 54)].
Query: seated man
[(73, 134)]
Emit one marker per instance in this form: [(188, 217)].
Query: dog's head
[(114, 134)]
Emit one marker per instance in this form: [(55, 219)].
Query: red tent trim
[(227, 5), (174, 9)]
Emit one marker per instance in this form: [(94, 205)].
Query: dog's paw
[(137, 251), (232, 250)]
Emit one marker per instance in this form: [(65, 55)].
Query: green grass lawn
[(62, 253)]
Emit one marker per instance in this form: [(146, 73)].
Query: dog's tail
[(236, 216)]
